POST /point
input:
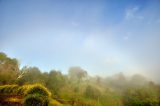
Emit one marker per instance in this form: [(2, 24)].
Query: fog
[(114, 43), (86, 34)]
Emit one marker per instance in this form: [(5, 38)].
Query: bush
[(92, 92), (32, 94), (35, 100), (140, 97), (8, 89), (24, 90), (38, 89)]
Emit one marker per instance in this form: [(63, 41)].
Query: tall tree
[(31, 75), (9, 69), (55, 81), (77, 73)]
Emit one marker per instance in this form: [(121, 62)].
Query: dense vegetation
[(77, 88), (31, 95)]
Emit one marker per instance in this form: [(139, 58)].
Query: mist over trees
[(81, 88)]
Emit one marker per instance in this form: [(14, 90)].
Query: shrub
[(140, 97), (32, 94), (24, 90), (92, 92), (38, 89), (8, 89), (35, 100)]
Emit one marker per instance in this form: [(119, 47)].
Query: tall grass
[(33, 95)]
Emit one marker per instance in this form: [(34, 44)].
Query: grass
[(32, 95), (24, 90), (53, 102), (14, 100)]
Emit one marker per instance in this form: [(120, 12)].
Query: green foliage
[(55, 82), (38, 89), (140, 97), (24, 90), (86, 102), (9, 69), (30, 75), (35, 100), (76, 88), (77, 73), (33, 94), (9, 89), (92, 92), (54, 103)]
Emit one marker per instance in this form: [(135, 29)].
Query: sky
[(103, 37)]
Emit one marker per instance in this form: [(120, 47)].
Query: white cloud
[(131, 13)]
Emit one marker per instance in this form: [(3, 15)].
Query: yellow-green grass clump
[(32, 94), (37, 89), (24, 90)]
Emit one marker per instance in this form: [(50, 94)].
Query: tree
[(98, 80), (138, 80), (55, 81), (31, 75), (92, 92), (140, 97), (9, 69), (77, 73)]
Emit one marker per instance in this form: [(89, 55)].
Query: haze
[(103, 37)]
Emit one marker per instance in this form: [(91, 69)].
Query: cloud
[(131, 13)]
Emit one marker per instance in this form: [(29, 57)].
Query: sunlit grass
[(31, 94), (53, 102)]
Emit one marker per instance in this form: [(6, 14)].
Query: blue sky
[(102, 36)]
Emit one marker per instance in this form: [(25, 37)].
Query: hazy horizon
[(102, 37)]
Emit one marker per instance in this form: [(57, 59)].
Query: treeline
[(80, 88)]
